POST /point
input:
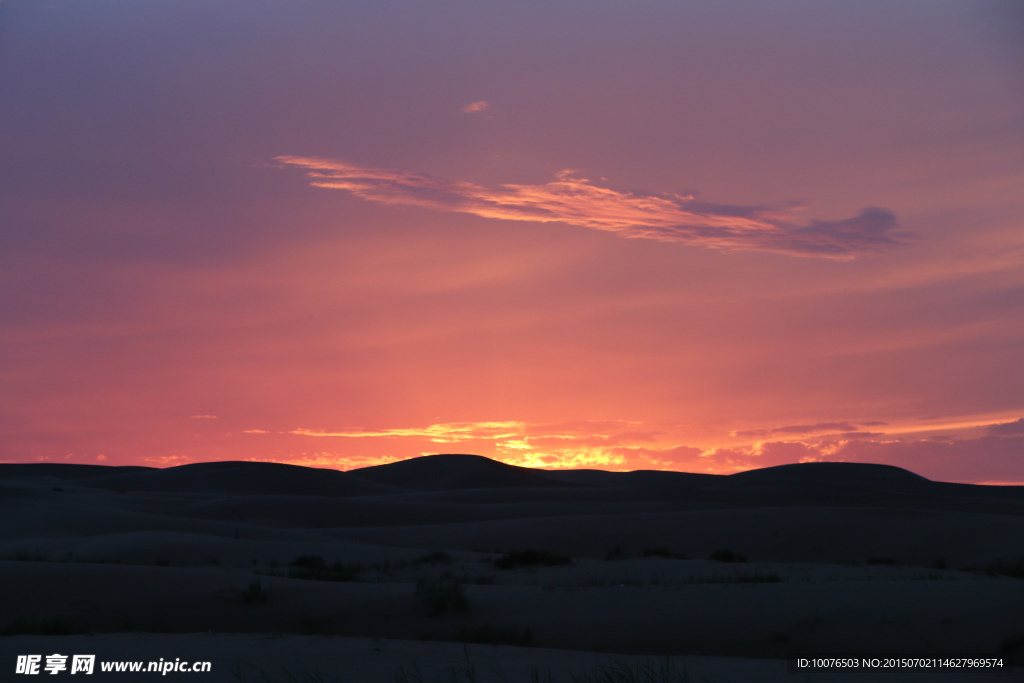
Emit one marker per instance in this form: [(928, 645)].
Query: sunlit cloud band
[(577, 201)]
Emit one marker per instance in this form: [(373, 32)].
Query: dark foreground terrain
[(813, 558)]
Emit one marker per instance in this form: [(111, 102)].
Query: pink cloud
[(476, 107), (577, 201)]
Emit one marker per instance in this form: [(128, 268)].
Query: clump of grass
[(726, 555), (755, 577), (255, 592), (661, 551), (530, 558), (315, 568), (1004, 567), (309, 562), (432, 558), (616, 553), (440, 594)]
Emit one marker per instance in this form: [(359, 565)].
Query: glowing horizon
[(345, 236)]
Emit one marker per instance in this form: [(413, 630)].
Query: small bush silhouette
[(1004, 567), (615, 553), (726, 555), (530, 558), (663, 552), (440, 594), (255, 592), (315, 568), (433, 557), (309, 562)]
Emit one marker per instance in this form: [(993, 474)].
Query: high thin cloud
[(476, 107), (801, 429), (576, 201), (451, 432)]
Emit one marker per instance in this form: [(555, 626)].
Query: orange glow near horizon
[(352, 237)]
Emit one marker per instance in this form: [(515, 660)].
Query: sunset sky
[(704, 236)]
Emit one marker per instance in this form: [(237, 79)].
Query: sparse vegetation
[(433, 558), (530, 558), (443, 593), (315, 568), (663, 552), (726, 555), (255, 592), (616, 553), (1005, 567)]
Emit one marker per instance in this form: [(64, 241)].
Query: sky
[(704, 236)]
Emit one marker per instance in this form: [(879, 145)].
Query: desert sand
[(469, 569)]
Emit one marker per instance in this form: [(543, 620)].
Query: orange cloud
[(576, 201), (451, 432)]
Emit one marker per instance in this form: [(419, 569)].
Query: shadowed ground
[(812, 558)]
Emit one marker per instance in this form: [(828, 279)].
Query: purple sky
[(704, 236)]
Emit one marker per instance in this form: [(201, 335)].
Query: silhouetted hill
[(645, 478), (62, 470), (243, 478), (471, 479), (843, 473), (453, 471)]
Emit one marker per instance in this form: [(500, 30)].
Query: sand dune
[(805, 558), (454, 471), (243, 478)]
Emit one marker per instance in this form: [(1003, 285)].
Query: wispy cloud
[(801, 429), (577, 201), (476, 107), (451, 432), (509, 435)]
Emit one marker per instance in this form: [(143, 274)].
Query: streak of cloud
[(476, 107), (508, 436), (801, 429), (452, 432), (577, 201)]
